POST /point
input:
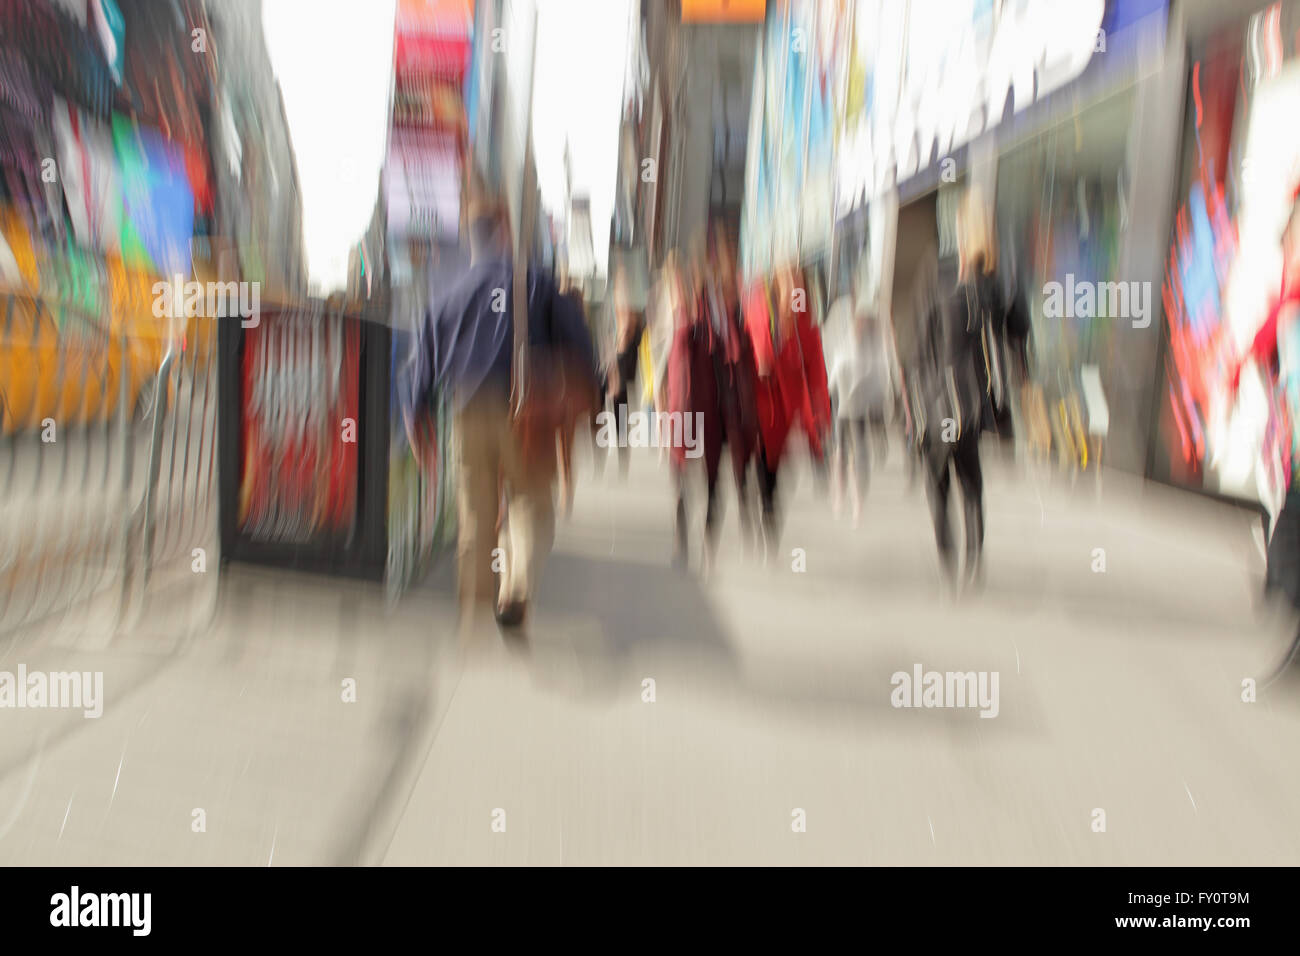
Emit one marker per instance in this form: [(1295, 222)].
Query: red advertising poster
[(438, 55), (300, 396)]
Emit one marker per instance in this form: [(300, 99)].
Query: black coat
[(962, 359)]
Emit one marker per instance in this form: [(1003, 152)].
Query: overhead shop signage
[(422, 184), (430, 103), (929, 92), (431, 55), (434, 16), (723, 11), (423, 54), (432, 37)]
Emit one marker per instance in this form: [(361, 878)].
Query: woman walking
[(790, 388), (963, 386)]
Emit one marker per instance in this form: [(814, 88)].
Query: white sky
[(578, 93), (334, 60)]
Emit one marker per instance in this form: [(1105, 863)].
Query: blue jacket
[(467, 342)]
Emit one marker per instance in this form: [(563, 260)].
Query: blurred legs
[(480, 466), (490, 457)]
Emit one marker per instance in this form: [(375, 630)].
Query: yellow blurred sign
[(723, 11)]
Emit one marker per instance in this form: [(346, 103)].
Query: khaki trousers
[(491, 467)]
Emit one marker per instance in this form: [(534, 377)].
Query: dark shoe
[(511, 614)]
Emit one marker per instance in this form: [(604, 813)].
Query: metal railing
[(107, 457)]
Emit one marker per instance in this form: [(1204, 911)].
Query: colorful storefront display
[(1033, 104), (1241, 170)]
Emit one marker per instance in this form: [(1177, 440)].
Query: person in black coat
[(963, 390)]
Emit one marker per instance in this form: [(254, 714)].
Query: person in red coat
[(791, 388)]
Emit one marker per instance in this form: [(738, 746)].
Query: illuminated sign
[(723, 11)]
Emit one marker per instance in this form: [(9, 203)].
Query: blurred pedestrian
[(564, 437), (790, 387), (622, 376), (470, 342), (860, 381), (962, 384), (691, 395), (929, 285), (734, 359)]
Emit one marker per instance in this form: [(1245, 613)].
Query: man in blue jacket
[(467, 345)]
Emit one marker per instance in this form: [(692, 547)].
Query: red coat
[(691, 387), (791, 384)]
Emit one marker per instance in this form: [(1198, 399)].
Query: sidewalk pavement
[(1120, 690)]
